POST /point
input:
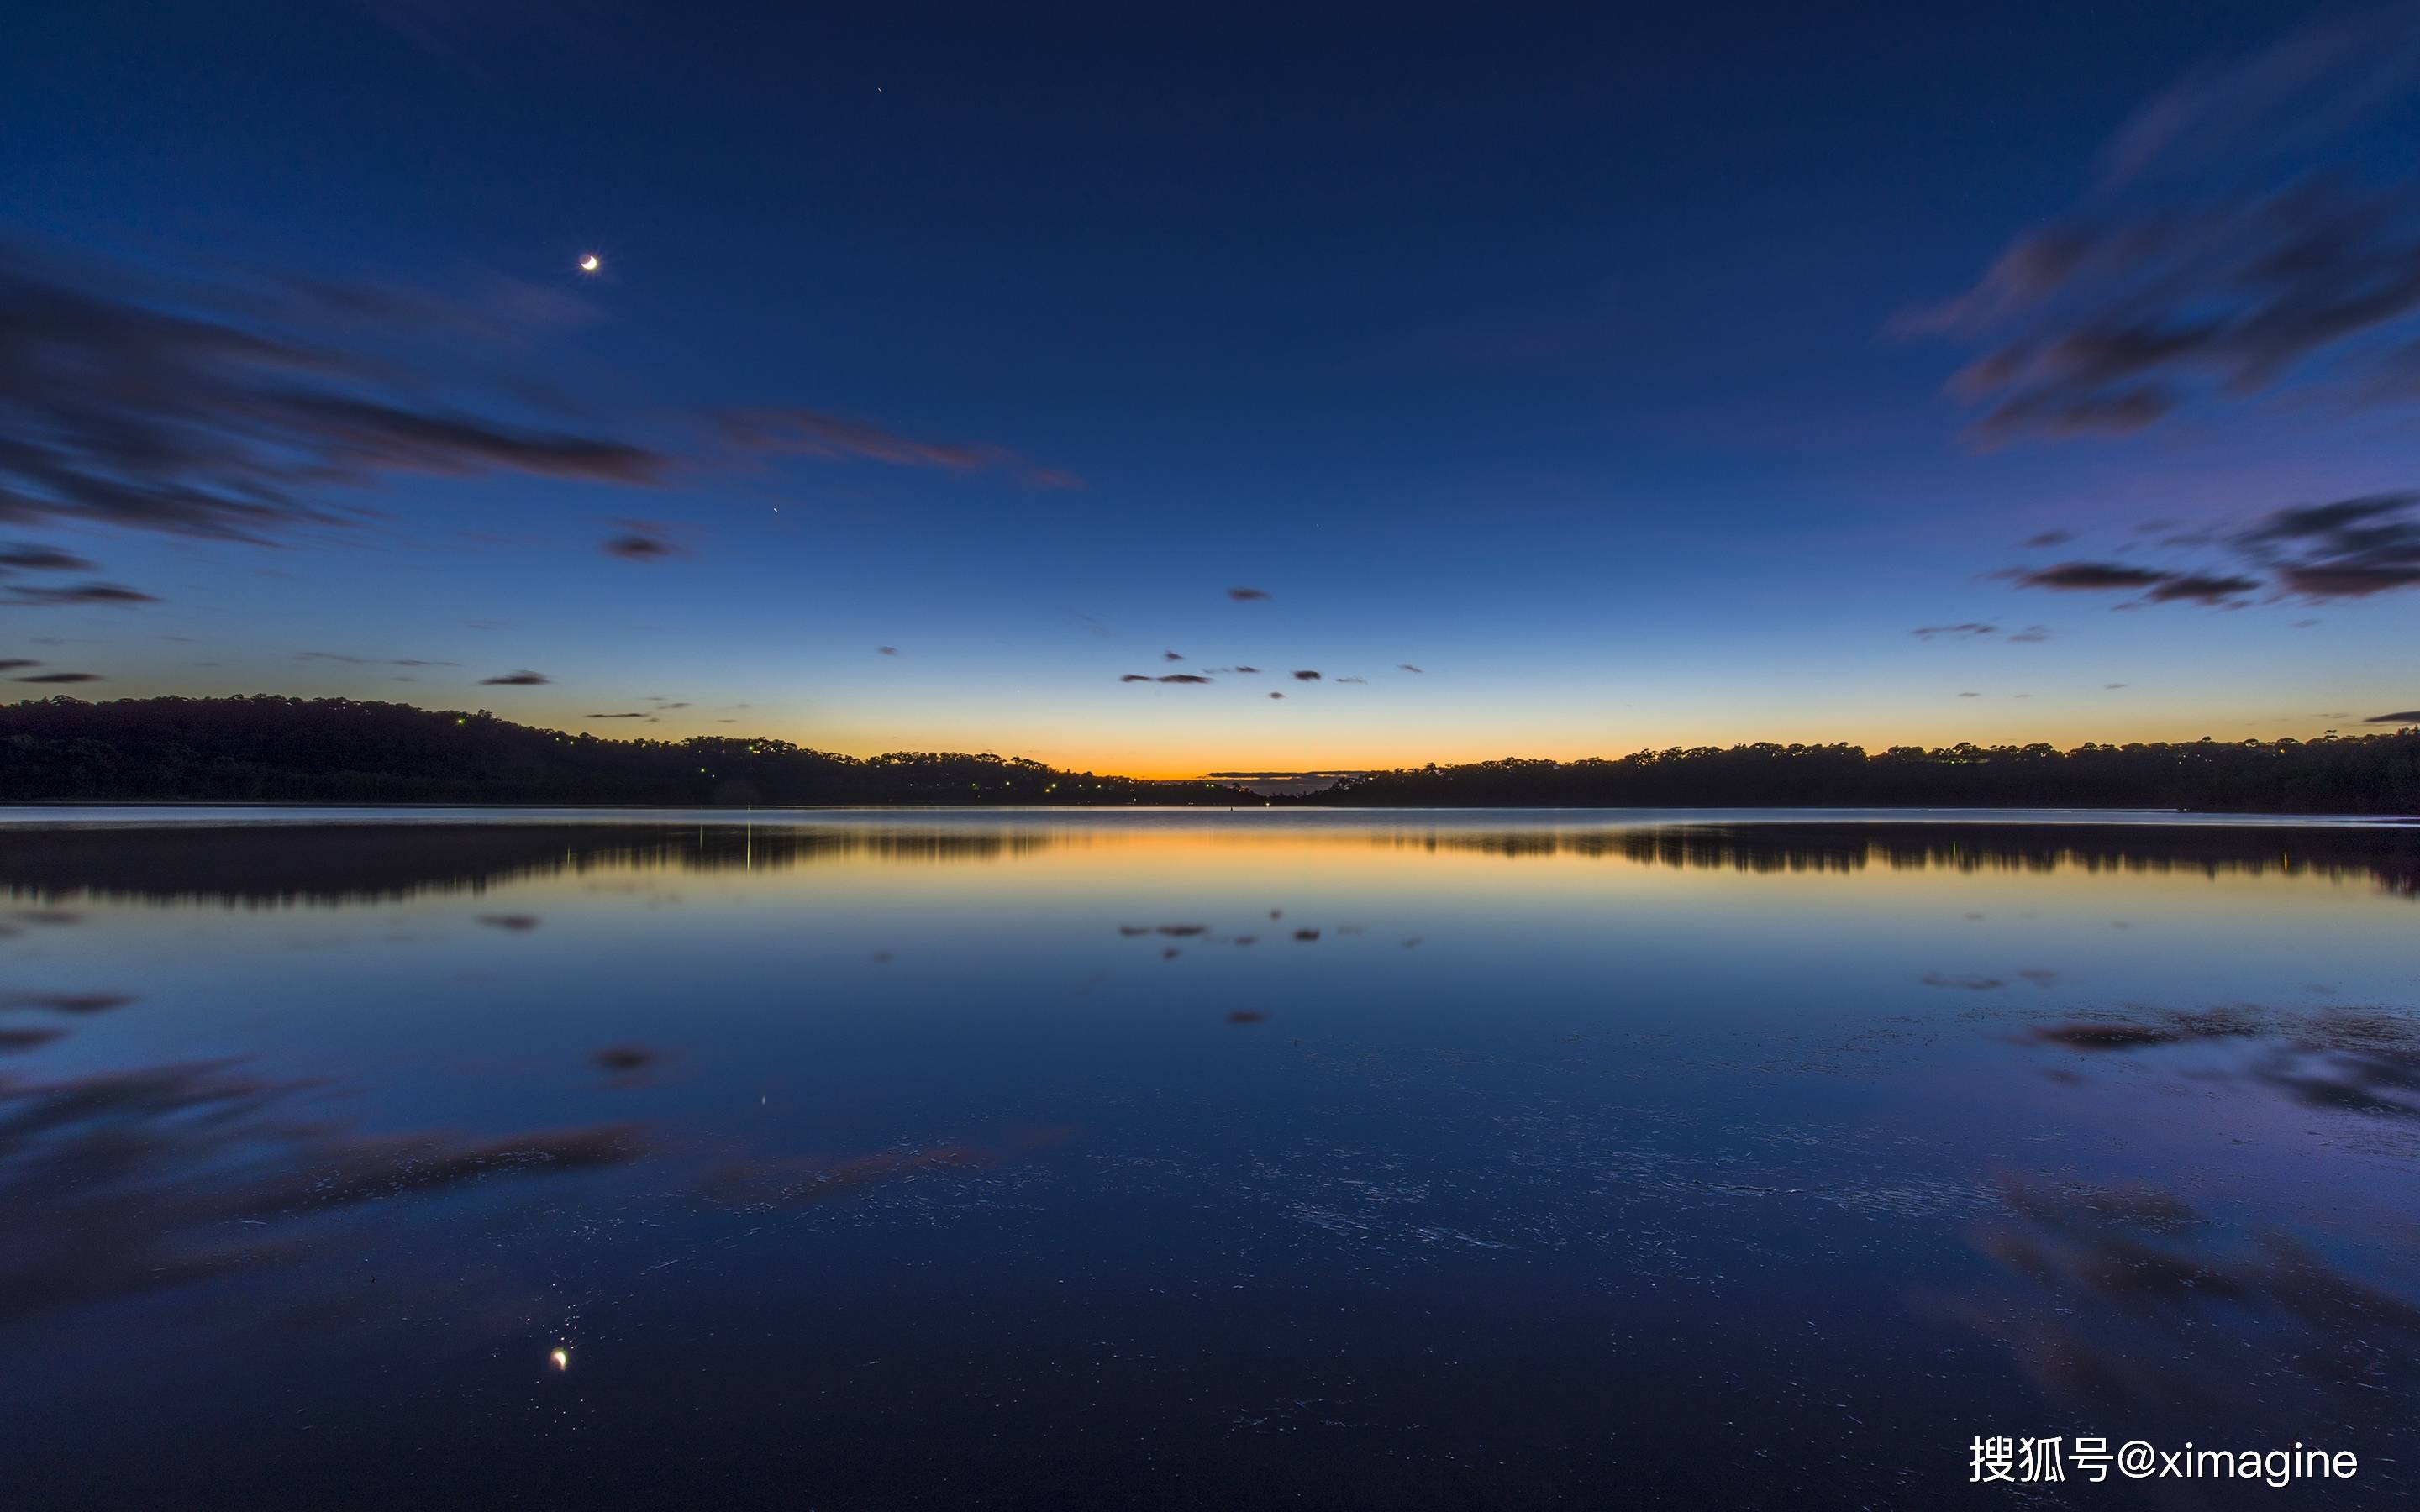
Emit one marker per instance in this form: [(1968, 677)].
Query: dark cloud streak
[(210, 415)]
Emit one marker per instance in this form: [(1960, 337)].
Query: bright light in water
[(590, 263), (562, 1358)]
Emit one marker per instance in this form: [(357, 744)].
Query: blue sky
[(1566, 354)]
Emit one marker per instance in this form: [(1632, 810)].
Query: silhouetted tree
[(266, 749), (2360, 775)]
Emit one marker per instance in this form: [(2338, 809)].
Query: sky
[(1550, 381)]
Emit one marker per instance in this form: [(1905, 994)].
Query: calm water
[(1033, 1160)]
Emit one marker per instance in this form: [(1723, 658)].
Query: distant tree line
[(271, 749), (2356, 775)]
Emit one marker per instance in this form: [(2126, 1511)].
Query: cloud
[(392, 438), (112, 594), (1407, 667), (640, 715), (2048, 538), (64, 677), (369, 662), (242, 414), (2203, 588), (1135, 677), (518, 679), (1182, 677), (1276, 695), (1306, 677), (2218, 258), (1247, 595), (838, 438), (28, 557), (2348, 549), (2402, 717), (2344, 549), (77, 1003), (2312, 85), (886, 650), (2030, 635), (2159, 584), (641, 541), (2091, 576), (13, 663), (1969, 630), (1353, 680)]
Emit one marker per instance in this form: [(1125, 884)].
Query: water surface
[(1195, 1159)]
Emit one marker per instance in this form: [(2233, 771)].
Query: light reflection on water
[(1151, 1158)]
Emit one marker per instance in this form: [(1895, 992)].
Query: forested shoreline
[(266, 749)]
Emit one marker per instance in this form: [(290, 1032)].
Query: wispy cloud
[(2090, 577), (369, 662), (2349, 549), (2209, 262), (643, 540), (2296, 93), (240, 413), (520, 679), (2157, 584), (841, 438), (2203, 588), (30, 557), (103, 594), (2345, 548)]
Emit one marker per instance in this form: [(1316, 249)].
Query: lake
[(1199, 1159)]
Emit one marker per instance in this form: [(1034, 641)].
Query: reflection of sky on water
[(1465, 1161)]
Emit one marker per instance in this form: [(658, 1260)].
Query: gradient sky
[(1602, 363)]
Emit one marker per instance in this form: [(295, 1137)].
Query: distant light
[(562, 1358), (590, 263)]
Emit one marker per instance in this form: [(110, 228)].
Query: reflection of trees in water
[(273, 864), (2390, 857)]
